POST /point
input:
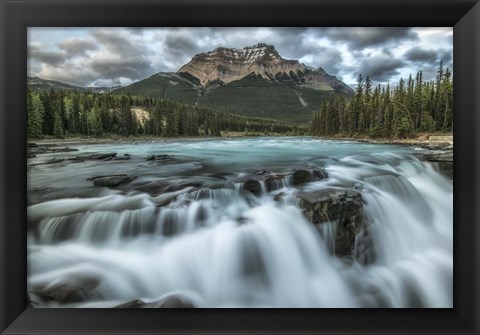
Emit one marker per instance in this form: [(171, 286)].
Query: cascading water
[(222, 246)]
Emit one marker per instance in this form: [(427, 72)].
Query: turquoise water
[(184, 228)]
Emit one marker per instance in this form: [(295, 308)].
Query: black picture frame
[(17, 15)]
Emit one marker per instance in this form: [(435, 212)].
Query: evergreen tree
[(35, 115)]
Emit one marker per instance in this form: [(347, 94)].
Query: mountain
[(40, 84), (253, 81), (224, 65)]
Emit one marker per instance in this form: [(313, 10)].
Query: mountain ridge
[(226, 65), (41, 84)]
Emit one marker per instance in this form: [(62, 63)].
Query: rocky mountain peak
[(230, 64)]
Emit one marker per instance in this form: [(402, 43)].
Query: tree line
[(65, 113), (412, 106)]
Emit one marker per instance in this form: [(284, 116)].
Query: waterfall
[(224, 248)]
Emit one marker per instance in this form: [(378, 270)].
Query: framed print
[(239, 167)]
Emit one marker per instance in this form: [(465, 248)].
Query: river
[(187, 227)]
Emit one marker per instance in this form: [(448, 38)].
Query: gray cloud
[(178, 44), (130, 68), (77, 46), (47, 57), (428, 60), (119, 43), (381, 68), (418, 54), (122, 55), (328, 58), (362, 37), (447, 57), (80, 76)]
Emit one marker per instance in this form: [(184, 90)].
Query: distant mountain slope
[(40, 84), (256, 96), (253, 81), (164, 85)]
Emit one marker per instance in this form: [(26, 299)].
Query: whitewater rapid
[(223, 247)]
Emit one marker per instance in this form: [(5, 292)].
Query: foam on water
[(221, 248)]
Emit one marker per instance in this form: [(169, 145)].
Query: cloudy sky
[(120, 56)]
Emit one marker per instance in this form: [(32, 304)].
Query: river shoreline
[(422, 141)]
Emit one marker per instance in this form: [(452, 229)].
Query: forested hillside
[(61, 113), (402, 111)]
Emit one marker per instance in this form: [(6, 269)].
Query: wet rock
[(123, 158), (446, 168), (161, 158), (301, 177), (95, 156), (279, 197), (320, 174), (343, 206), (135, 303), (101, 155), (29, 301), (443, 159), (171, 301), (304, 176), (273, 182), (437, 146), (253, 186), (67, 290), (63, 149), (439, 156), (113, 180)]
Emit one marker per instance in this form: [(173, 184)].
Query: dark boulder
[(95, 156), (161, 158), (439, 156), (343, 206), (135, 303), (443, 159), (273, 182), (253, 186), (63, 149), (54, 160), (305, 176), (301, 177), (113, 180), (67, 290), (279, 197), (100, 156), (171, 301)]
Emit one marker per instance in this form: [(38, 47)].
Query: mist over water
[(200, 236)]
